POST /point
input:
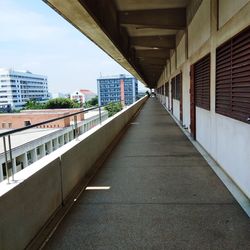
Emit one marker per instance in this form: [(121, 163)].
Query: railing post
[(100, 115), (75, 125), (11, 158), (6, 160)]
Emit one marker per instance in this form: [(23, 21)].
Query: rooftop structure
[(29, 117)]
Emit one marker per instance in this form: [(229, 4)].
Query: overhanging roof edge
[(75, 13)]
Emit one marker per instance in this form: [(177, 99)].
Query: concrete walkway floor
[(159, 194)]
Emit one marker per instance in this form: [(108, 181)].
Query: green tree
[(61, 103), (92, 102), (113, 108), (33, 104)]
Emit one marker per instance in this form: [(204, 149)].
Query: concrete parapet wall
[(41, 189), (27, 206)]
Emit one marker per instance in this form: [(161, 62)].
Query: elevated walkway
[(155, 191)]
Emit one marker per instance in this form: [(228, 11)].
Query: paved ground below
[(155, 192)]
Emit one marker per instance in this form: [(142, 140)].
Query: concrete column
[(81, 129), (33, 155), (43, 152), (24, 160), (56, 143), (14, 165), (50, 148), (1, 173), (59, 139), (62, 140), (71, 136), (67, 137)]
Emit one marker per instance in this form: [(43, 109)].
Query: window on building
[(173, 91), (10, 125), (233, 77), (167, 89), (202, 82), (176, 87), (3, 124), (27, 123)]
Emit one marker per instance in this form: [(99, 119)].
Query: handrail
[(9, 160), (51, 120)]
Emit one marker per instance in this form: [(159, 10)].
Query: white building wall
[(233, 150), (167, 105), (185, 96), (176, 109), (199, 28), (228, 8), (17, 87), (203, 128), (224, 138)]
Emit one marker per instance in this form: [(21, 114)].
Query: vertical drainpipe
[(1, 172), (122, 92)]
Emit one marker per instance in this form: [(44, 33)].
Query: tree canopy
[(33, 104), (61, 103), (113, 108), (56, 103), (92, 102)]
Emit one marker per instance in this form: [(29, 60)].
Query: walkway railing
[(6, 136)]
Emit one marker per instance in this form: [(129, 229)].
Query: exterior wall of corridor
[(224, 138)]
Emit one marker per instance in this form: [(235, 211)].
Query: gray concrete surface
[(81, 157), (162, 195), (29, 204)]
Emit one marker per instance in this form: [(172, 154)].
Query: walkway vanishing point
[(155, 191)]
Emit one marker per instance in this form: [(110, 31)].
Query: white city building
[(17, 87), (82, 95)]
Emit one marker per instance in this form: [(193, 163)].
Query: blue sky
[(36, 38)]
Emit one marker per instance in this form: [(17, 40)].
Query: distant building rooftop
[(86, 91), (32, 134), (116, 77)]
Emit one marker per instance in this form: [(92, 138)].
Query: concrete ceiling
[(137, 34), (149, 5)]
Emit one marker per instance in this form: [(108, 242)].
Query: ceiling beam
[(152, 65), (153, 53), (107, 23), (152, 60), (161, 18), (154, 42)]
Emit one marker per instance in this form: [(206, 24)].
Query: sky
[(35, 38)]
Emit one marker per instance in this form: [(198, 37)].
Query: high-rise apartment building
[(17, 87), (117, 88)]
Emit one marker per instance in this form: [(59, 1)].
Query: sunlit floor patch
[(97, 188)]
